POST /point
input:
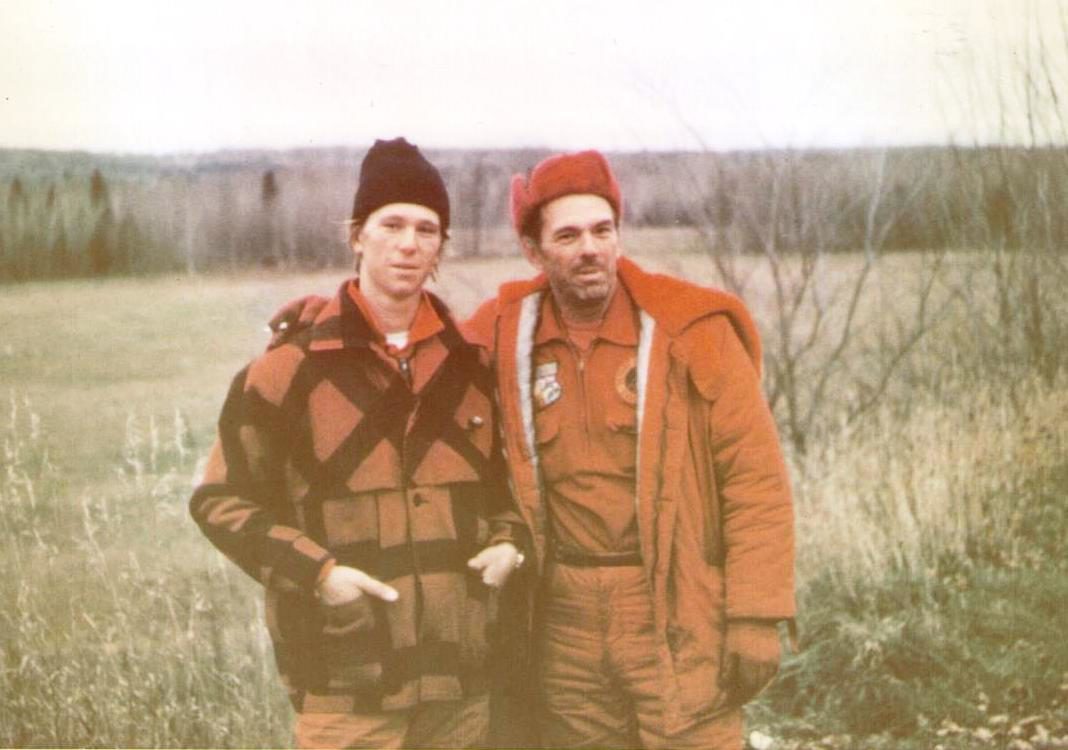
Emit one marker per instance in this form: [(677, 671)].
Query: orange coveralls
[(631, 654)]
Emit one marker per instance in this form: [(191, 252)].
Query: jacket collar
[(342, 325), (673, 303)]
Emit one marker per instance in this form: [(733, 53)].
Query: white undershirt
[(398, 340)]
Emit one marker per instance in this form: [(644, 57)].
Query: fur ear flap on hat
[(585, 172), (520, 201)]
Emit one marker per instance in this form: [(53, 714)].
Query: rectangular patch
[(546, 369), (546, 391)]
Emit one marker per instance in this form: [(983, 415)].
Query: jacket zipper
[(580, 359)]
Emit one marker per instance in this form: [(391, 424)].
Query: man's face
[(400, 243), (578, 250)]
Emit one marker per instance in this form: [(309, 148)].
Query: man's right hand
[(750, 658), (293, 316), (344, 584)]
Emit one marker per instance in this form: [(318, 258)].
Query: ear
[(437, 262), (354, 243), (531, 252)]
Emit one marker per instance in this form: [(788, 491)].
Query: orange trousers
[(451, 724), (600, 677)]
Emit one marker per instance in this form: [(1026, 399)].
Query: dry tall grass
[(929, 530), (954, 480), (118, 628)]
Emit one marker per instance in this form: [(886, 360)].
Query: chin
[(592, 293), (402, 292)]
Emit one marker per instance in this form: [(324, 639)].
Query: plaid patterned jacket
[(325, 452)]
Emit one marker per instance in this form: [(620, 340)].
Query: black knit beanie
[(396, 172)]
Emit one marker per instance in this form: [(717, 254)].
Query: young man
[(358, 476), (648, 468)]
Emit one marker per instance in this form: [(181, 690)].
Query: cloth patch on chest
[(627, 381), (546, 388)]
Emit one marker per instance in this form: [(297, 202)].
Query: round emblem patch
[(627, 381)]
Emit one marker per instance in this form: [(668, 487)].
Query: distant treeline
[(76, 214)]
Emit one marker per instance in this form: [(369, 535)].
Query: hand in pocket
[(351, 617)]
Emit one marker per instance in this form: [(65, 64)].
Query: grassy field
[(933, 578)]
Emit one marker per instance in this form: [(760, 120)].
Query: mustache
[(586, 266)]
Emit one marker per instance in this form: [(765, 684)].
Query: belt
[(588, 560)]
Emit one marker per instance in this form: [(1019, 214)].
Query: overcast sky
[(151, 76)]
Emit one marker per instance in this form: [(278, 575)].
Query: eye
[(566, 236), (427, 230), (392, 225)]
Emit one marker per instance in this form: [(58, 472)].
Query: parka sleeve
[(502, 512), (753, 488), (240, 503), (481, 327), (506, 524)]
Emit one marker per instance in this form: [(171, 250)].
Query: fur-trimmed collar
[(674, 303)]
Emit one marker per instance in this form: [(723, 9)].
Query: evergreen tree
[(16, 196), (269, 248), (268, 189), (100, 249), (14, 249), (98, 191), (61, 260)]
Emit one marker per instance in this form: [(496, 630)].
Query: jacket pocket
[(354, 639), (479, 625), (546, 426), (474, 416), (551, 455), (351, 617), (696, 627), (622, 423), (455, 452)]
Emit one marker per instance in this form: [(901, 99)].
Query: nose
[(587, 244), (406, 241)]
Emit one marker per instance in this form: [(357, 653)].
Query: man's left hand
[(495, 563), (750, 659)]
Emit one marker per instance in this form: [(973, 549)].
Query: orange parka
[(714, 509)]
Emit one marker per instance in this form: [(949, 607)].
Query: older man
[(647, 466)]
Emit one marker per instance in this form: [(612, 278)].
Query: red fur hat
[(564, 174)]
